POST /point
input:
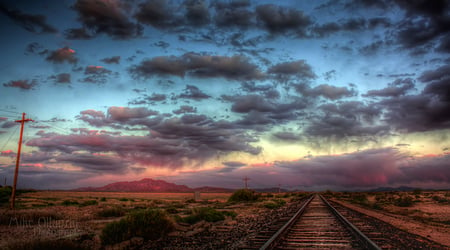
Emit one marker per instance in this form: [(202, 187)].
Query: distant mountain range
[(150, 185)]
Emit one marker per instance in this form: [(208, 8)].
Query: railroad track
[(318, 225)]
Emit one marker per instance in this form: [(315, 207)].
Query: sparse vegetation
[(244, 195), (404, 201), (208, 214), (89, 203), (111, 212), (275, 203), (149, 224), (5, 193), (70, 203)]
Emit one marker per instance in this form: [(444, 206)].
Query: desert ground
[(84, 219)]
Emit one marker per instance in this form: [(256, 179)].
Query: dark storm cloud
[(96, 74), (397, 88), (276, 19), (173, 142), (367, 168), (185, 109), (441, 73), (324, 90), (62, 55), (118, 117), (245, 104), (345, 119), (31, 23), (299, 68), (61, 78), (104, 17), (157, 97), (157, 13), (350, 25), (9, 124), (429, 110), (194, 93), (34, 48), (197, 13), (95, 163), (202, 66), (125, 113), (231, 165), (22, 84), (111, 60), (426, 22), (42, 177), (287, 136), (77, 34), (234, 14)]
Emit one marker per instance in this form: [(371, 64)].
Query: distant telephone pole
[(245, 181), (16, 172)]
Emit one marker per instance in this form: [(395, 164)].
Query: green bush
[(89, 203), (111, 212), (243, 195), (275, 203), (149, 224), (359, 198), (231, 214), (123, 199), (69, 203), (103, 199), (115, 232), (5, 193), (405, 201), (208, 214)]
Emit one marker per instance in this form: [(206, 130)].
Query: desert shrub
[(231, 214), (115, 232), (111, 212), (69, 203), (190, 201), (360, 198), (377, 206), (123, 199), (269, 195), (439, 199), (243, 195), (5, 193), (405, 201), (417, 191), (149, 224), (89, 203), (274, 204), (103, 199), (447, 194), (208, 214), (171, 210)]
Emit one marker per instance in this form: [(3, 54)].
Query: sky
[(306, 95)]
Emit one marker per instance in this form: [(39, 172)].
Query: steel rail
[(273, 240), (362, 238)]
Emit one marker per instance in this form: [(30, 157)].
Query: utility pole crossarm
[(16, 172)]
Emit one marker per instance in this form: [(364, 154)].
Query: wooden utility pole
[(16, 172), (245, 180)]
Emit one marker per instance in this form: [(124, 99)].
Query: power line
[(9, 138), (9, 111)]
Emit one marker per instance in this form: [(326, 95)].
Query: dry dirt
[(438, 233)]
